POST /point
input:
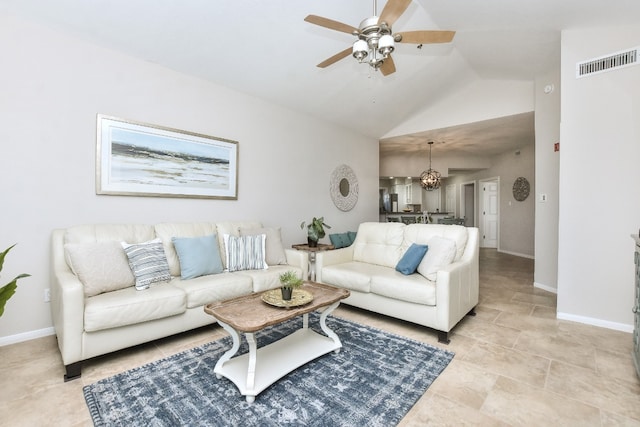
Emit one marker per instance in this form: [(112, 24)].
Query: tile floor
[(515, 364)]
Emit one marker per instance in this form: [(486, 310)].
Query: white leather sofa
[(437, 296), (91, 325)]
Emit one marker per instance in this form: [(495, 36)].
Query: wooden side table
[(312, 255)]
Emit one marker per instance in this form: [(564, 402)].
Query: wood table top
[(250, 314)]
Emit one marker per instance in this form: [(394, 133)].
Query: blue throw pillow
[(409, 262), (339, 240), (199, 256), (352, 237)]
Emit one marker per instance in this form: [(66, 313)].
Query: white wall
[(517, 219), (53, 86), (474, 102), (599, 173), (547, 161)]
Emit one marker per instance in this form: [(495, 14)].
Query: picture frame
[(141, 159)]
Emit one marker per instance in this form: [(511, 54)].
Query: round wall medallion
[(344, 188), (521, 189)]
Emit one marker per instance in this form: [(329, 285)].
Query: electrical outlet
[(47, 295)]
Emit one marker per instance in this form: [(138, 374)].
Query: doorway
[(468, 203), (489, 213)]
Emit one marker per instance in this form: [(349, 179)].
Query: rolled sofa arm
[(332, 257), (67, 303)]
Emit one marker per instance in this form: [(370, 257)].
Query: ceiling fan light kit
[(375, 39)]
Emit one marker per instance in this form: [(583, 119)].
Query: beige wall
[(547, 125), (517, 219), (53, 86), (599, 176)]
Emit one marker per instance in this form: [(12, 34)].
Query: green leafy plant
[(9, 289), (289, 279), (315, 229)]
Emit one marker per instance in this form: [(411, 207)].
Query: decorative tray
[(299, 297)]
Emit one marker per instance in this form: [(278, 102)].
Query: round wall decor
[(344, 188), (521, 188)]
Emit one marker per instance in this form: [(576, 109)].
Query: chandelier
[(430, 179), (375, 42)]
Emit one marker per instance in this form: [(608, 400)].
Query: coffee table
[(249, 314)]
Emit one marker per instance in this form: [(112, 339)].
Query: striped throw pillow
[(245, 252), (148, 263)]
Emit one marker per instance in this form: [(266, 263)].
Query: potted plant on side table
[(289, 281), (315, 230), (9, 289)]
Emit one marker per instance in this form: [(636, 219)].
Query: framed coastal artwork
[(140, 159)]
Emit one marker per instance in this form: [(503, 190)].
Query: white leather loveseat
[(438, 295), (96, 303)]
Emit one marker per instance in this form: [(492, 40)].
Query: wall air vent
[(608, 62)]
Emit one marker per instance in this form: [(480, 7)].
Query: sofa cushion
[(100, 266), (379, 243), (217, 287), (91, 233), (269, 279), (412, 288), (274, 254), (409, 262), (352, 275), (245, 252), (440, 254), (148, 262), (168, 230), (199, 256), (128, 307)]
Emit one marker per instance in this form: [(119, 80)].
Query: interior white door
[(489, 214)]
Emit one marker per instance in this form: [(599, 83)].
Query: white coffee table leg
[(325, 328), (251, 370), (235, 336)]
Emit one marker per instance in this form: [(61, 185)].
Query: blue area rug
[(374, 380)]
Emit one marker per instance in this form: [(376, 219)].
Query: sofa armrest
[(332, 257), (458, 287), (67, 303), (298, 259)]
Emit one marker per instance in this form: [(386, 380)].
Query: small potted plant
[(9, 289), (315, 231), (289, 280)]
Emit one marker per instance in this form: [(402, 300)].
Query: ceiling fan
[(375, 39)]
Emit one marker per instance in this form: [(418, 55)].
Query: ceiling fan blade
[(335, 58), (331, 24), (392, 11), (426, 36), (388, 66)]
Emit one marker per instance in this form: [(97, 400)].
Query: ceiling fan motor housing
[(377, 36)]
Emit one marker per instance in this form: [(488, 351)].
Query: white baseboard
[(516, 254), (26, 336), (596, 322), (545, 287)]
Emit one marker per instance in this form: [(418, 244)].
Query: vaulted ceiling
[(265, 48)]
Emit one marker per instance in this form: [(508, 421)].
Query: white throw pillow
[(245, 252), (275, 253), (101, 266), (441, 253)]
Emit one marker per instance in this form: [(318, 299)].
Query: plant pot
[(312, 243), (286, 293)]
